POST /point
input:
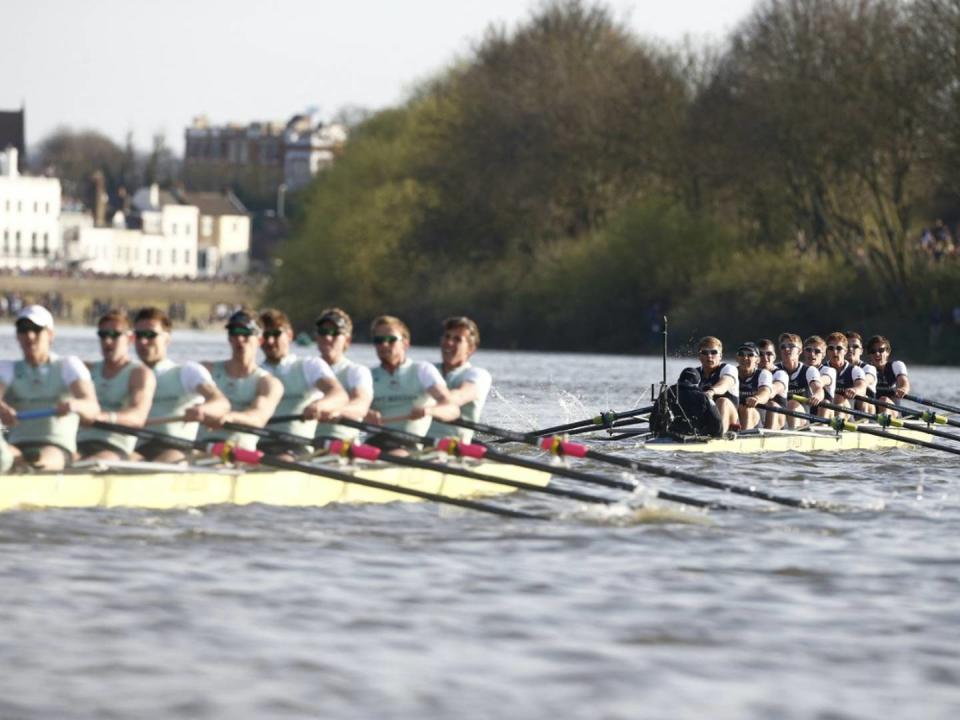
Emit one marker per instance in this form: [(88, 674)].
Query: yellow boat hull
[(796, 440), (178, 489)]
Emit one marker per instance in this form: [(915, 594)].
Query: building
[(223, 246), (30, 236), (158, 238), (261, 159)]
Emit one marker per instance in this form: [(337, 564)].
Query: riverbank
[(77, 299)]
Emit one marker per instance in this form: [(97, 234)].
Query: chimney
[(99, 200), (10, 168), (154, 197)]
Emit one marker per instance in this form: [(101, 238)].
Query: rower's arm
[(903, 386), (214, 405), (82, 401), (269, 393), (723, 385), (445, 409), (358, 405), (140, 389), (465, 394), (816, 392), (331, 404), (8, 416)]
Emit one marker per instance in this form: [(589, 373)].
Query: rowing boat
[(806, 440), (154, 486)]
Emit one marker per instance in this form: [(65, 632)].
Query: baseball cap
[(337, 317), (36, 314), (750, 347), (243, 319)]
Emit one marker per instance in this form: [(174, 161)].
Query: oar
[(256, 457), (617, 424), (165, 420), (480, 450), (926, 416), (559, 446), (839, 424), (369, 452), (932, 403), (604, 419), (882, 420)]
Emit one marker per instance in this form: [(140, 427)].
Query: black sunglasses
[(239, 332), (836, 348), (145, 334), (813, 350), (328, 332), (27, 327), (112, 334), (384, 339), (272, 333), (709, 351)]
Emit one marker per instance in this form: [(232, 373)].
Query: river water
[(417, 611)]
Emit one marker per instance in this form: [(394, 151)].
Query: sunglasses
[(24, 328), (272, 333), (836, 348), (112, 334), (239, 332), (384, 339), (856, 347), (747, 354), (328, 332), (709, 351), (878, 351), (145, 334), (813, 350), (767, 353), (787, 346)]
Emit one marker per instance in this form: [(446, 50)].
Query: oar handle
[(932, 403), (164, 420), (37, 414)]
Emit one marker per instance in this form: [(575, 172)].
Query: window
[(6, 242), (173, 228), (46, 243), (149, 256), (36, 206), (186, 229), (173, 256), (186, 257), (46, 208), (33, 244), (16, 245)]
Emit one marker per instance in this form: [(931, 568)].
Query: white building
[(30, 235), (164, 246), (309, 146), (223, 245)]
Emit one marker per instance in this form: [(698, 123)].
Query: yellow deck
[(175, 488), (798, 440)]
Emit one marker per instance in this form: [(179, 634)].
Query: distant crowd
[(937, 242)]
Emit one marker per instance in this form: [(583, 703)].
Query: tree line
[(567, 182)]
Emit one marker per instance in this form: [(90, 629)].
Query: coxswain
[(407, 395), (124, 389), (469, 385), (310, 389), (892, 380), (802, 379), (755, 385), (42, 381), (186, 392), (815, 355), (253, 392), (334, 336)]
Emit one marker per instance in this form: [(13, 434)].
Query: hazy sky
[(150, 67)]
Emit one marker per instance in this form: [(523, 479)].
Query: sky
[(148, 68)]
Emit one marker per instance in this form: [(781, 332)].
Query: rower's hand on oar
[(373, 417), (8, 416), (313, 411), (71, 405), (195, 414)]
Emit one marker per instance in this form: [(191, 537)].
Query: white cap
[(38, 315)]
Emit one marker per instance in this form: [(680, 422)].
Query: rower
[(892, 380), (406, 394), (334, 336), (802, 379), (755, 385), (469, 385), (310, 388), (814, 355), (780, 383), (719, 383), (851, 379), (253, 392), (854, 353), (186, 392), (124, 389), (40, 381)]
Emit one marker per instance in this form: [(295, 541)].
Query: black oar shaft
[(933, 403), (602, 420), (560, 471), (925, 416), (652, 469), (880, 420)]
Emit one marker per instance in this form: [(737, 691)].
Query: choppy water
[(415, 611)]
